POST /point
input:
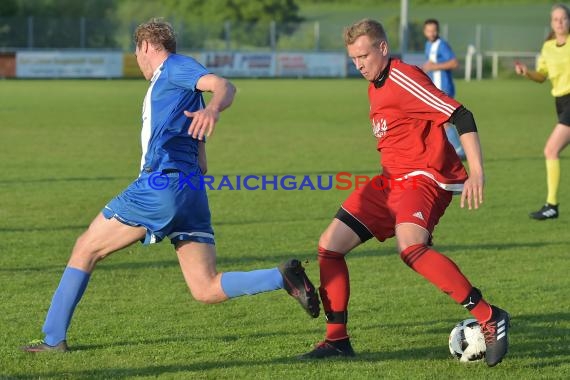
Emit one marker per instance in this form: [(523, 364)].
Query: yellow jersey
[(554, 63)]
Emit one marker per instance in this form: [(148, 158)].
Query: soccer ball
[(466, 341)]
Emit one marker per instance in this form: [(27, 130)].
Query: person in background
[(554, 64), (440, 62)]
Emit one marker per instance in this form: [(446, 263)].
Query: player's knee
[(201, 297), (550, 153), (411, 253), (324, 240), (325, 254), (340, 240), (86, 249), (410, 235), (204, 295), (404, 245)]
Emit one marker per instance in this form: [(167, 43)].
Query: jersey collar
[(379, 82), (156, 73)]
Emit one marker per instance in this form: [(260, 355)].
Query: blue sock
[(67, 295), (236, 284)]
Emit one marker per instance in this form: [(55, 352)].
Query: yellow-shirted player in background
[(554, 64)]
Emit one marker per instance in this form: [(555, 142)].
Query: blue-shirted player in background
[(439, 66), (160, 203)]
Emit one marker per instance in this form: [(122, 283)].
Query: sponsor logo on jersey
[(379, 128)]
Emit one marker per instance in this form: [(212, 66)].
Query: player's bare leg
[(337, 240), (443, 273), (206, 284), (198, 264), (408, 234), (558, 140), (103, 237), (339, 237)]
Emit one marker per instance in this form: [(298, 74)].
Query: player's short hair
[(432, 21), (158, 33), (366, 27)]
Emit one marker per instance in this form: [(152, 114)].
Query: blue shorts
[(158, 203)]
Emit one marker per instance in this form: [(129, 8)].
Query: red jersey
[(407, 113)]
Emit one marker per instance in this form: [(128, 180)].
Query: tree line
[(110, 22)]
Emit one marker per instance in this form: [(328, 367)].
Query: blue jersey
[(164, 137), (159, 201), (439, 51)]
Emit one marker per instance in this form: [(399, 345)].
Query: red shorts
[(382, 204)]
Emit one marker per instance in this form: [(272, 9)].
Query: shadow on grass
[(273, 260), (493, 246), (537, 158), (45, 229), (153, 371), (227, 223), (187, 340), (543, 337), (161, 370), (539, 336), (29, 180), (535, 332)]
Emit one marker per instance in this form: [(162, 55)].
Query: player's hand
[(428, 66), (521, 68), (203, 122), (473, 191)]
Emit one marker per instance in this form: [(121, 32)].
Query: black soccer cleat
[(496, 332), (547, 211), (298, 285), (330, 349), (41, 346)]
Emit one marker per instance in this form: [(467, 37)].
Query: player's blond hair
[(158, 33), (366, 27)]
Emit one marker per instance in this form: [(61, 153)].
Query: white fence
[(495, 61)]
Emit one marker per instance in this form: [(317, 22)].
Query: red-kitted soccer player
[(408, 114)]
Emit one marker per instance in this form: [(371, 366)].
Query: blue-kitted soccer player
[(173, 148), (440, 62)]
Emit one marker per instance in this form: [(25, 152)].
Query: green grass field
[(67, 147)]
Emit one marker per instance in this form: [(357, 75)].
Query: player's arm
[(202, 160), (522, 70), (447, 65), (204, 120), (467, 129)]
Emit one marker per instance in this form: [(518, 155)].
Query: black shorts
[(563, 109)]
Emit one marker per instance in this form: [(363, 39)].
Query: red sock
[(443, 273), (334, 291)]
